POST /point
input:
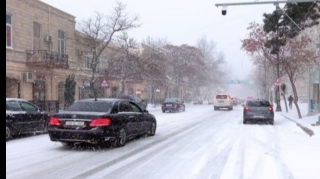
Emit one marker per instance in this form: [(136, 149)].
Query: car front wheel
[(153, 129)]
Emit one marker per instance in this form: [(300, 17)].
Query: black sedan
[(173, 105), (23, 117), (101, 120), (258, 111)]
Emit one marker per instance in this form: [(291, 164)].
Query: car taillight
[(270, 109), (54, 121), (246, 109), (100, 122), (176, 105)]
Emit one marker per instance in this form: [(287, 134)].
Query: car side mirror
[(146, 111)]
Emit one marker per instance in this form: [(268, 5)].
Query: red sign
[(138, 91), (278, 82), (104, 83)]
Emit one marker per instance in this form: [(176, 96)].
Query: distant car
[(136, 99), (222, 101), (197, 101), (210, 100), (23, 117), (101, 120), (258, 111), (173, 105)]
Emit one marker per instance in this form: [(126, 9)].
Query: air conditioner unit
[(28, 77), (48, 38)]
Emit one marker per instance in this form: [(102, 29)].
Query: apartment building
[(40, 51)]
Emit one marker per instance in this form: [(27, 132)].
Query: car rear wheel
[(122, 138), (153, 129), (8, 133), (271, 122), (68, 144), (245, 122)]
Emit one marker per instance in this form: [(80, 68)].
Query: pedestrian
[(290, 99)]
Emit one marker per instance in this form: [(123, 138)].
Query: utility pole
[(276, 3)]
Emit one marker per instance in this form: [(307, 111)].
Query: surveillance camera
[(224, 10)]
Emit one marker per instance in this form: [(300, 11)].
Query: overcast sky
[(184, 22)]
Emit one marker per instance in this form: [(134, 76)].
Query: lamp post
[(278, 107)]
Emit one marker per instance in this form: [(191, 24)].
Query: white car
[(222, 101)]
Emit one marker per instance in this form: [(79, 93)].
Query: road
[(197, 144)]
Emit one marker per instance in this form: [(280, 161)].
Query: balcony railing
[(44, 58)]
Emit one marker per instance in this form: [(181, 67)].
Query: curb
[(305, 129)]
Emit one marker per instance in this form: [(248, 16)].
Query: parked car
[(101, 120), (197, 101), (258, 111), (173, 105), (23, 117), (222, 101), (210, 100), (143, 104)]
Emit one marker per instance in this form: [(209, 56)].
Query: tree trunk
[(123, 84), (285, 101), (295, 94)]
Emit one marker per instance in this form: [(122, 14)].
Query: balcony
[(47, 59)]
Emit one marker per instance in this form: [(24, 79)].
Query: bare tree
[(213, 60), (153, 64), (295, 57), (96, 33), (125, 63)]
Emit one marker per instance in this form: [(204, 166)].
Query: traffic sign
[(278, 82), (105, 83), (237, 82)]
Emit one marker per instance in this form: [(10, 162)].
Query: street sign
[(278, 82), (233, 82), (138, 91), (105, 83)]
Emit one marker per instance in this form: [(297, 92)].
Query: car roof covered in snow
[(15, 99), (101, 99)]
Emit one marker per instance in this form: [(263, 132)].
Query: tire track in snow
[(273, 138), (160, 141)]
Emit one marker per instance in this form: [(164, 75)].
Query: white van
[(222, 101)]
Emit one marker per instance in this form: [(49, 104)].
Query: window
[(28, 107), (12, 106), (8, 31), (36, 29), (125, 107), (36, 36), (91, 106), (87, 61), (221, 97), (61, 42), (135, 108)]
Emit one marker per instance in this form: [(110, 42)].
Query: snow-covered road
[(197, 144)]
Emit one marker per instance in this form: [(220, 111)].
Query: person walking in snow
[(290, 99)]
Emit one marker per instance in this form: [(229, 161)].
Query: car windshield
[(91, 106), (221, 97), (170, 100), (258, 103)]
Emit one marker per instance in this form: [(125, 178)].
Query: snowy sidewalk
[(308, 123)]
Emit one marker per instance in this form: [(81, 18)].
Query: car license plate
[(75, 123), (169, 105), (258, 116)]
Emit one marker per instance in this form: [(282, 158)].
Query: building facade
[(40, 51)]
